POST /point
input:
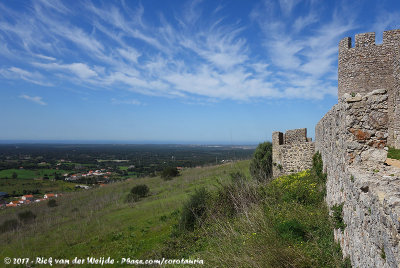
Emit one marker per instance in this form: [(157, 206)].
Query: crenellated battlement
[(362, 40), (369, 66)]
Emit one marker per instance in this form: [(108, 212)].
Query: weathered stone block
[(378, 120), (360, 135)]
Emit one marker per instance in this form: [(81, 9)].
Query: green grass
[(22, 173), (394, 153), (25, 181), (284, 223), (30, 174), (98, 222), (17, 186)]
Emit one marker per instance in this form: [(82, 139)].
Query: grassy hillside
[(17, 187), (246, 223), (99, 222), (218, 214)]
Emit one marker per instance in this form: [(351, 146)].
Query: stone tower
[(369, 66), (291, 152)]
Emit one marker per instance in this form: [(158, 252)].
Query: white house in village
[(27, 197)]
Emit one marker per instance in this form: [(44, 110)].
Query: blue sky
[(174, 71)]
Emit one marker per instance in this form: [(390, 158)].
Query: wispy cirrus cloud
[(287, 6), (34, 99), (17, 73), (305, 63), (191, 55), (81, 70)]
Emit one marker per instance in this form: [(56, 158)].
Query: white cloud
[(192, 12), (303, 50), (287, 6), (131, 54), (56, 5), (79, 69), (192, 54), (302, 22), (35, 99), (18, 73), (44, 57)]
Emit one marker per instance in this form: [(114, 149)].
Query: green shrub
[(300, 187), (9, 225), (234, 197), (337, 216), (141, 190), (317, 167), (261, 164), (137, 192), (194, 209), (291, 229), (52, 203), (26, 216), (169, 173)]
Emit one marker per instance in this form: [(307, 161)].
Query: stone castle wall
[(291, 152), (368, 66), (353, 138), (353, 153), (396, 112)]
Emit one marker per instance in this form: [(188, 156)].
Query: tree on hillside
[(141, 190), (14, 175), (137, 192), (261, 164), (169, 172)]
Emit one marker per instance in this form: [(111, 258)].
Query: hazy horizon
[(122, 142)]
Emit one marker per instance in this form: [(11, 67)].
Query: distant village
[(29, 198), (24, 200), (78, 176)]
